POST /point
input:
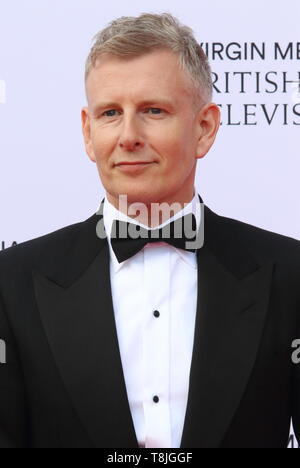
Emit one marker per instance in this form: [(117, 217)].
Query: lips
[(134, 167), (132, 163)]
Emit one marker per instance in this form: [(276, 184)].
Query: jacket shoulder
[(45, 250), (262, 243)]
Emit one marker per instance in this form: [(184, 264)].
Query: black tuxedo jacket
[(62, 384)]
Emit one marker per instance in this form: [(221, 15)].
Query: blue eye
[(155, 109), (110, 110)]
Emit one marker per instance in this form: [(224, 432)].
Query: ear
[(86, 131), (208, 124)]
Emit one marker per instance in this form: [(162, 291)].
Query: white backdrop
[(252, 172)]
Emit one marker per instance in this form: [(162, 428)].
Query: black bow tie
[(127, 238)]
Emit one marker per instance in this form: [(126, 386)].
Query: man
[(135, 341)]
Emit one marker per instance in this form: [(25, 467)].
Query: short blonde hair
[(130, 36)]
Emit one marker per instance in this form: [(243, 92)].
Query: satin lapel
[(80, 326), (230, 318)]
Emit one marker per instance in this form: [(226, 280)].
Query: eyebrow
[(145, 102)]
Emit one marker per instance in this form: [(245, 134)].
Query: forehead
[(156, 72)]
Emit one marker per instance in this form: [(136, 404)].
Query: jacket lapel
[(80, 327), (233, 295)]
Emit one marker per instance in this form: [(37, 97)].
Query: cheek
[(103, 144), (175, 137), (175, 150)]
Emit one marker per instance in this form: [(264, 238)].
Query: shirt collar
[(110, 213)]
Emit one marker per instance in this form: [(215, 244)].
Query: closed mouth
[(132, 163)]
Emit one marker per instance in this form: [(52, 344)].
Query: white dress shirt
[(154, 299)]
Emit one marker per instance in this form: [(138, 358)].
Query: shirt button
[(155, 399), (156, 313)]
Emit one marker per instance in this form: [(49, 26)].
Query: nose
[(130, 138)]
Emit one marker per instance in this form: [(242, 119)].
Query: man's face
[(141, 110)]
